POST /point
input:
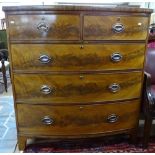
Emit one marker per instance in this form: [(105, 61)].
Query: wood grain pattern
[(81, 7), (79, 104), (22, 140), (71, 57), (77, 120), (100, 27), (77, 88), (60, 27)]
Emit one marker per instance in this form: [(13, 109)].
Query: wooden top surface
[(74, 7)]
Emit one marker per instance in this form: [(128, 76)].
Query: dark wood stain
[(77, 8), (80, 77), (95, 28), (60, 27), (67, 119), (71, 88), (72, 58)]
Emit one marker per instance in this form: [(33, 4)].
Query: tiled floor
[(8, 93), (8, 133)]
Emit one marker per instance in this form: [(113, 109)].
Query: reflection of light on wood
[(52, 19), (139, 24), (24, 19), (12, 22), (152, 20)]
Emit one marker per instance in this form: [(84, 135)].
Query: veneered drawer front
[(71, 57), (77, 120), (74, 88), (44, 27), (115, 27)]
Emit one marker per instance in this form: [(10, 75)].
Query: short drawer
[(73, 88), (77, 120), (115, 27), (72, 57), (44, 27)]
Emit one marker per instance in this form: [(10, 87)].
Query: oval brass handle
[(114, 87), (112, 118), (45, 89), (118, 28), (42, 27), (47, 120), (116, 57), (44, 59)]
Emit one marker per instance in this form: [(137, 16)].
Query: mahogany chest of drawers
[(77, 71)]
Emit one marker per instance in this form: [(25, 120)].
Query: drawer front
[(73, 88), (115, 28), (77, 120), (44, 27), (71, 57)]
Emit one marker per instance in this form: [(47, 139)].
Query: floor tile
[(7, 146), (8, 150), (8, 133), (2, 119), (11, 123), (11, 134), (6, 109), (2, 131)]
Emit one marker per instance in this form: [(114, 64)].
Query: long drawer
[(115, 27), (77, 88), (77, 120), (44, 27), (72, 57)]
